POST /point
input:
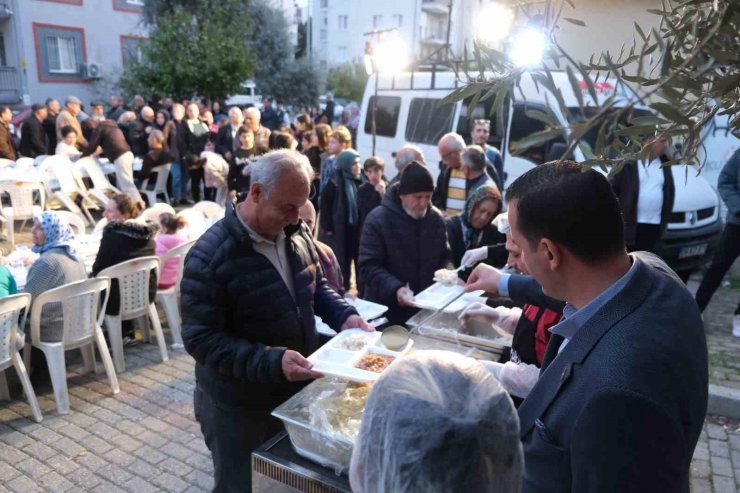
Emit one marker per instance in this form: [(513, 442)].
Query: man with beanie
[(403, 242)]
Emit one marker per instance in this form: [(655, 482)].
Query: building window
[(342, 22), (398, 20), (69, 2), (134, 6), (322, 34), (377, 21), (130, 49), (3, 57), (60, 52), (324, 4)]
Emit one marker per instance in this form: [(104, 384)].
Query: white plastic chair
[(152, 213), (22, 205), (102, 188), (168, 298), (133, 290), (24, 162), (160, 186), (59, 169), (197, 224), (82, 314), (10, 311), (74, 221), (210, 209)]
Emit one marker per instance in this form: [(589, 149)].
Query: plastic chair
[(152, 213), (197, 224), (102, 188), (133, 290), (74, 221), (168, 298), (160, 186), (82, 314), (62, 188), (22, 206), (210, 209), (11, 308)]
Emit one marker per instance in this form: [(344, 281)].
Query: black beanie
[(415, 178)]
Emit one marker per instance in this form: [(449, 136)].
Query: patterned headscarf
[(476, 197), (58, 234), (344, 162)]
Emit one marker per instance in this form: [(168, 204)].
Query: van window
[(386, 115), (522, 126), (482, 111), (427, 122)]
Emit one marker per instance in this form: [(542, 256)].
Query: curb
[(724, 401)]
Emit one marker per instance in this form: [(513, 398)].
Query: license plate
[(692, 251)]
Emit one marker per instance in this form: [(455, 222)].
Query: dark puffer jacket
[(239, 317), (396, 249), (122, 241)]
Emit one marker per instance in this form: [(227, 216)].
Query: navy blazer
[(620, 409)]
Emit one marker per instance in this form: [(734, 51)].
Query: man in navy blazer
[(622, 393)]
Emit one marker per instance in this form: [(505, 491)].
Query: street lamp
[(493, 23), (389, 56), (528, 47)]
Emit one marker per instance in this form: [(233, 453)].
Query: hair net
[(437, 422)]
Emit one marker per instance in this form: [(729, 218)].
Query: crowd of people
[(586, 400)]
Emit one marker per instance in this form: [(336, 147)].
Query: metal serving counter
[(276, 468)]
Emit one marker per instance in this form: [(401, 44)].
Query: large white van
[(407, 111)]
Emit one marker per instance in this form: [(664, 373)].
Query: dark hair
[(305, 120), (281, 140), (68, 129), (243, 130), (572, 207), (171, 223), (323, 131), (127, 206), (3, 109), (49, 100), (374, 162), (37, 107), (308, 135), (474, 157)]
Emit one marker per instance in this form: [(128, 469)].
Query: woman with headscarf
[(340, 219), (57, 265), (473, 227)]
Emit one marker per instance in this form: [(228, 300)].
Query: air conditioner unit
[(93, 70)]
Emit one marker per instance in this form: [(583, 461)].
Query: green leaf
[(648, 120), (577, 22), (576, 86), (670, 112), (545, 118), (640, 32), (536, 138), (460, 93)]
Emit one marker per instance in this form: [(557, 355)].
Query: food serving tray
[(438, 295), (367, 309), (337, 359)]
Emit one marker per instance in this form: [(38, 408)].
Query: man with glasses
[(479, 135)]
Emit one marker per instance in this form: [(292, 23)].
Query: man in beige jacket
[(68, 117)]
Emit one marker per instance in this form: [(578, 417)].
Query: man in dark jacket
[(7, 147), (139, 131), (227, 133), (50, 124), (645, 191), (110, 138), (116, 108), (622, 394), (251, 286), (33, 137), (403, 242), (269, 117)]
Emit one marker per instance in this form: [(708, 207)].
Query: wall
[(103, 27)]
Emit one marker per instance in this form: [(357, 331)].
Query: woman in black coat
[(340, 219), (472, 228), (124, 238)]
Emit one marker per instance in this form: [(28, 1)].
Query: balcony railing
[(10, 85)]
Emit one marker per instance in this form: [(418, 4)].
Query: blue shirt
[(574, 319)]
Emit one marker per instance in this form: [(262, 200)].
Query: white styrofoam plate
[(367, 309), (438, 295)]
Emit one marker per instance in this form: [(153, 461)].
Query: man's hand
[(472, 257), (484, 277), (479, 310), (380, 188), (357, 322), (297, 368), (405, 296)]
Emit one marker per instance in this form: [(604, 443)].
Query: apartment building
[(56, 48)]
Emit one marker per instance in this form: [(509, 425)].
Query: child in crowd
[(170, 236), (67, 147), (238, 182)]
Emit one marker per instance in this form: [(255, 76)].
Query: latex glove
[(519, 378), (484, 277), (357, 322), (405, 296), (479, 310), (297, 368), (494, 367), (474, 256)]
